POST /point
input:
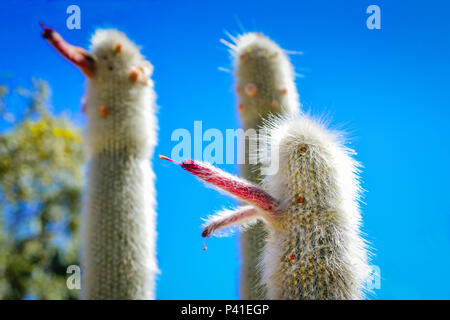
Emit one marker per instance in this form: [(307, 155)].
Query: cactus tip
[(43, 25), (168, 159), (47, 32)]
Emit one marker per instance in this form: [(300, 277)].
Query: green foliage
[(40, 185)]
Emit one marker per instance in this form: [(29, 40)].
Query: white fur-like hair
[(130, 104), (318, 187), (119, 235)]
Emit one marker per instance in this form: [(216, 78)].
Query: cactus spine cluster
[(265, 86), (119, 213)]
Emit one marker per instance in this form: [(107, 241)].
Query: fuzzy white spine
[(119, 206)]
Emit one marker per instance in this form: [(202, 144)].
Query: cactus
[(314, 248), (265, 86), (119, 203)]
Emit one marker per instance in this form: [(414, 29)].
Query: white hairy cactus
[(265, 86), (315, 249), (119, 215), (309, 204)]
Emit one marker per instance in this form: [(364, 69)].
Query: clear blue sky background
[(390, 87)]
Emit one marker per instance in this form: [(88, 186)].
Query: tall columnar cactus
[(309, 204), (119, 206), (265, 86)]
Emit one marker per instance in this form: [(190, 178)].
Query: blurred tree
[(40, 183)]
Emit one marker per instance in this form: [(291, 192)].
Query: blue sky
[(389, 87)]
